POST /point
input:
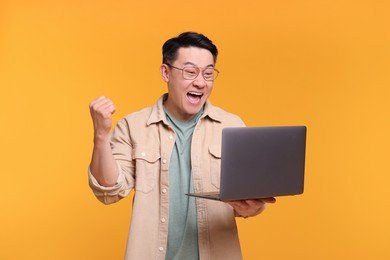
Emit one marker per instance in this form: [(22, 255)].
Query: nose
[(199, 81)]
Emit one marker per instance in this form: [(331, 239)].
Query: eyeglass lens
[(193, 72)]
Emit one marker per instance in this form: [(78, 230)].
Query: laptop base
[(206, 195)]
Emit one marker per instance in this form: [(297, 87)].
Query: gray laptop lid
[(259, 162)]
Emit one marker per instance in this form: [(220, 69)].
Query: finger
[(103, 106), (269, 200), (100, 101), (232, 203), (96, 101), (100, 98), (255, 203), (107, 108), (237, 205)]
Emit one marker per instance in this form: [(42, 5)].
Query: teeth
[(195, 93)]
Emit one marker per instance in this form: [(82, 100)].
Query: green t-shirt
[(183, 227)]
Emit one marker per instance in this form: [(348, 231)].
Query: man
[(165, 151)]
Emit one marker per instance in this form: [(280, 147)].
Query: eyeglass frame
[(199, 71)]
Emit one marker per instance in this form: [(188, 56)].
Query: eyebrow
[(193, 64)]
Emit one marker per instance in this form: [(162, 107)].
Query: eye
[(208, 73), (190, 71)]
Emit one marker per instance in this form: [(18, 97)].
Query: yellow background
[(322, 63)]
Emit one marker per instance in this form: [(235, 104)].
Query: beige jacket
[(142, 144)]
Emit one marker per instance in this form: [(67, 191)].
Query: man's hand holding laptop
[(250, 208)]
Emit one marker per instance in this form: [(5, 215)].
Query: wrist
[(101, 139)]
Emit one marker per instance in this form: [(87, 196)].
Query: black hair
[(187, 39)]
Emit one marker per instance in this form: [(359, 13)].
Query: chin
[(193, 110)]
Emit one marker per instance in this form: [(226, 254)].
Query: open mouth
[(194, 97)]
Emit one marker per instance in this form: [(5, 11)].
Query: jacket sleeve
[(122, 151)]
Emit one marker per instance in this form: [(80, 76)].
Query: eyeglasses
[(191, 72)]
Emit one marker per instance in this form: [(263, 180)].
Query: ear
[(164, 72)]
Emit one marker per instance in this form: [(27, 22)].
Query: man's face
[(187, 96)]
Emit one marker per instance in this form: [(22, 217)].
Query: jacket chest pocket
[(215, 165), (147, 168)]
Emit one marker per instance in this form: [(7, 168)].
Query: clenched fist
[(101, 110)]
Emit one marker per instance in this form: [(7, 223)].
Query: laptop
[(260, 162)]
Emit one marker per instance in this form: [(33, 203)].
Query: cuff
[(95, 185)]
